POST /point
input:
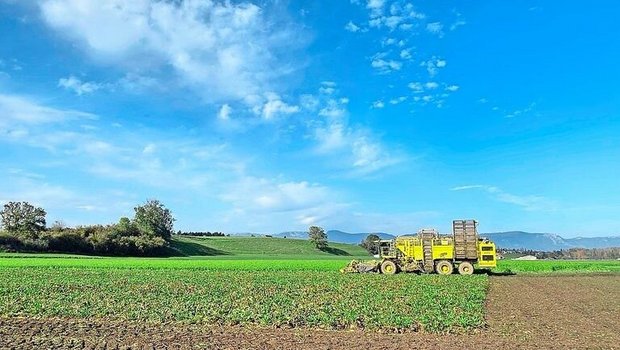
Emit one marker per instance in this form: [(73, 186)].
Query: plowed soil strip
[(524, 312)]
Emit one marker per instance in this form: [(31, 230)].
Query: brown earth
[(523, 312)]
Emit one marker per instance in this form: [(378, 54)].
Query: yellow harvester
[(428, 252)]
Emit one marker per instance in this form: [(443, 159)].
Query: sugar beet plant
[(324, 299)]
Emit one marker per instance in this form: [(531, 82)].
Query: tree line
[(148, 233), (201, 234), (572, 253)]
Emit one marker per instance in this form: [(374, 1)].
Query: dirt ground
[(523, 312)]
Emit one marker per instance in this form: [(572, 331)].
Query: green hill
[(258, 247)]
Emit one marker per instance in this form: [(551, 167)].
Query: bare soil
[(523, 312)]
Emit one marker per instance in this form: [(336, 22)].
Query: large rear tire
[(466, 268), (388, 267), (444, 267)]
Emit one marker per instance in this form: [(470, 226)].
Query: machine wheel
[(444, 267), (466, 268), (388, 268)]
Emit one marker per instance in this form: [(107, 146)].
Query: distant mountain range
[(548, 241), (506, 240)]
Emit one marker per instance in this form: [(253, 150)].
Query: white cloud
[(274, 107), (432, 65), (392, 21), (467, 187), (398, 100), (399, 16), (149, 149), (333, 109), (519, 112), (221, 50), (417, 87), (309, 102), (405, 54), (365, 154), (16, 109), (528, 202), (77, 86), (138, 83), (224, 113), (435, 28), (375, 7), (452, 88), (389, 41), (153, 161), (352, 27), (386, 66), (271, 203), (330, 137), (370, 156), (356, 148), (457, 24), (431, 85), (265, 195), (326, 90)]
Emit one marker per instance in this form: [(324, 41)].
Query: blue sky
[(353, 115)]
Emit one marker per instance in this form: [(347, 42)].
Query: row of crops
[(557, 266), (283, 293), (266, 264), (284, 298)]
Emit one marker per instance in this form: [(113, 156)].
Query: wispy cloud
[(398, 100), (275, 107), (429, 92), (190, 38), (433, 65), (362, 152), (527, 202), (16, 109), (435, 28), (352, 27), (78, 86), (383, 65), (520, 112)]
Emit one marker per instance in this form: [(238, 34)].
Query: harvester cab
[(429, 252)]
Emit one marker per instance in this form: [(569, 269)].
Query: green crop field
[(192, 264), (246, 295), (262, 247), (291, 284), (557, 266)]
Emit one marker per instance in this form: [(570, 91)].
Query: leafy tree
[(154, 219), (318, 236), (371, 243), (126, 228), (22, 219)]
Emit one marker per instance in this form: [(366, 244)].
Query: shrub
[(68, 241), (9, 243)]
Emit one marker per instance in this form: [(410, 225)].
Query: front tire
[(444, 267), (388, 267), (466, 268)]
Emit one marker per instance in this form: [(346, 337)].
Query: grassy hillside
[(261, 247)]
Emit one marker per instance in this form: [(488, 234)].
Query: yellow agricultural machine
[(429, 252)]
